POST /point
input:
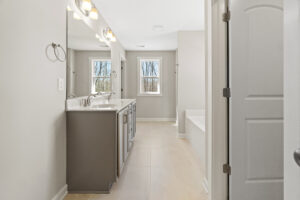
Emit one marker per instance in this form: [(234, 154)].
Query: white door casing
[(291, 98), (256, 115)]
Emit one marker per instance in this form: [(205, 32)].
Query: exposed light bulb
[(69, 8), (113, 39), (158, 28), (76, 16), (109, 34), (93, 14), (86, 5)]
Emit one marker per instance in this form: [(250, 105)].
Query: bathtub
[(195, 132)]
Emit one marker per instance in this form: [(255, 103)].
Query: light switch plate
[(60, 85)]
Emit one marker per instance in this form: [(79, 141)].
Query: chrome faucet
[(107, 94), (110, 95), (89, 100)]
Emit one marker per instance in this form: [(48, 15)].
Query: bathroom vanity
[(99, 139)]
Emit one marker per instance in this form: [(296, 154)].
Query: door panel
[(256, 150)]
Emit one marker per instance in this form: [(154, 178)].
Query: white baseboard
[(205, 185), (181, 135), (61, 194), (155, 119)]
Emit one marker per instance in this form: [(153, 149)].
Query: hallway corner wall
[(191, 73)]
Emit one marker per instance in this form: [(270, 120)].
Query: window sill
[(149, 95)]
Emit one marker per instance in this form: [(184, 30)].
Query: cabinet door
[(134, 119), (120, 143), (130, 128), (125, 135)]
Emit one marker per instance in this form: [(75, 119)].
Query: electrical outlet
[(60, 85)]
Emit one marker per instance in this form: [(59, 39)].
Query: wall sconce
[(109, 35), (87, 8)]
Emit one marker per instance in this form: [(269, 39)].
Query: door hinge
[(226, 16), (226, 92), (227, 169)]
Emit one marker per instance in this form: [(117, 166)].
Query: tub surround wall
[(195, 133)]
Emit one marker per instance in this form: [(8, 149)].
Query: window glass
[(101, 80)]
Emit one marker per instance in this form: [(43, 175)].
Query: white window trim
[(139, 76), (91, 60)]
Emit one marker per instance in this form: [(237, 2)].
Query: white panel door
[(256, 144), (291, 98)]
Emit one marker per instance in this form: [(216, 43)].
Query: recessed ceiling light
[(103, 45), (158, 28), (141, 45)]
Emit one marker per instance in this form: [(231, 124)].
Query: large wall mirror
[(89, 61)]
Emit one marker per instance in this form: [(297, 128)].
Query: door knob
[(297, 156)]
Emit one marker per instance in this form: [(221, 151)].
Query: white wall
[(191, 73), (153, 106), (32, 117)]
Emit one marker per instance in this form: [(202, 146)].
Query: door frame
[(291, 80), (216, 104), (123, 75)]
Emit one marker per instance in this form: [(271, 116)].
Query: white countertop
[(98, 104)]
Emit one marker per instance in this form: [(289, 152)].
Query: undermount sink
[(104, 106)]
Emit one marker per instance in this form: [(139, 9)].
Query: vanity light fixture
[(86, 5), (113, 39), (87, 8), (109, 35), (93, 14)]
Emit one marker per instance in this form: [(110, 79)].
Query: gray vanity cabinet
[(92, 151), (98, 144)]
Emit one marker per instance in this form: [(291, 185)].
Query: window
[(149, 76), (101, 79)]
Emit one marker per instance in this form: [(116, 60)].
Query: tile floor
[(160, 167)]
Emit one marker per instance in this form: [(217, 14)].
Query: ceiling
[(81, 37), (151, 24)]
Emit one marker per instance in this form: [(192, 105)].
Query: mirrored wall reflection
[(89, 61)]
